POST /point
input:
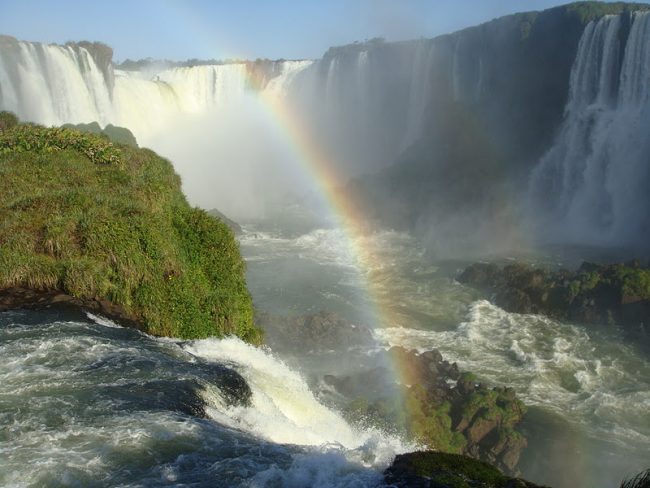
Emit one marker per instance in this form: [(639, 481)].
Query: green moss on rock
[(107, 223), (437, 470)]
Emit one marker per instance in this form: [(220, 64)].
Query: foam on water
[(283, 409), (73, 413), (596, 382)]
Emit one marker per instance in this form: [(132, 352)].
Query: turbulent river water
[(84, 402), (588, 390)]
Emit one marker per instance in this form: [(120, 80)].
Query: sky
[(219, 29)]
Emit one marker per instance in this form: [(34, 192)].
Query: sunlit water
[(86, 403), (587, 388)]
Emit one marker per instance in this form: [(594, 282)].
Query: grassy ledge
[(107, 223)]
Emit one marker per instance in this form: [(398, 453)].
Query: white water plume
[(597, 170)]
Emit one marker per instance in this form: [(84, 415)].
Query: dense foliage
[(35, 139), (7, 120), (588, 11), (103, 222), (468, 418), (116, 134)]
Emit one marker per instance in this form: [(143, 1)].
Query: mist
[(232, 159)]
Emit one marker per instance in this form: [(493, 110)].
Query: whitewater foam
[(561, 367), (284, 409)]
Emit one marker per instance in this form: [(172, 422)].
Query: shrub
[(7, 120)]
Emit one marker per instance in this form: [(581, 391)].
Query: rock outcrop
[(321, 331), (429, 469), (442, 408), (593, 294)]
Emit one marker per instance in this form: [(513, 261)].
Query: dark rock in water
[(594, 294), (231, 384), (313, 332), (34, 299), (175, 395), (429, 469), (369, 384), (234, 226)]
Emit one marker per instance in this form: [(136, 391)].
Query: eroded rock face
[(429, 469)]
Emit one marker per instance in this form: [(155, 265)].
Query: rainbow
[(347, 213), (319, 168)]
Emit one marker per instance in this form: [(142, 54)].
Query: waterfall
[(597, 170), (364, 101), (281, 84), (52, 84), (148, 105), (420, 91)]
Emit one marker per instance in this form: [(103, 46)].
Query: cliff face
[(376, 98), (473, 113)]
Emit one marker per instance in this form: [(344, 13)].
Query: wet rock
[(448, 410), (181, 396), (313, 332), (232, 385), (593, 294), (234, 226), (32, 299)]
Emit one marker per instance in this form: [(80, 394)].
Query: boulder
[(430, 469)]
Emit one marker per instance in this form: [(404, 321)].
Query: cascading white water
[(281, 84), (147, 106), (420, 92), (597, 168), (52, 84)]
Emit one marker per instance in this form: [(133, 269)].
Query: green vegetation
[(629, 283), (459, 469), (588, 11), (115, 134), (34, 140), (447, 425), (633, 282), (431, 424), (7, 120), (437, 469), (594, 294), (105, 222)]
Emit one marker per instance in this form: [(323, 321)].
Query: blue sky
[(182, 29)]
